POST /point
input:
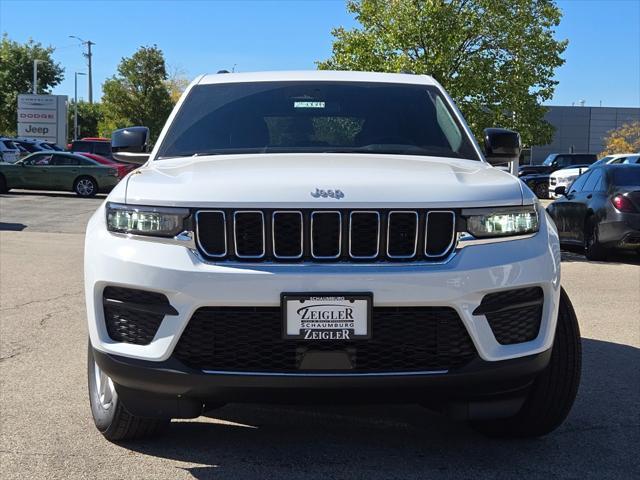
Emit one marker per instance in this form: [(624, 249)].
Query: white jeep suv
[(325, 237)]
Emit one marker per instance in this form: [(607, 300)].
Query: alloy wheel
[(85, 187), (104, 387)]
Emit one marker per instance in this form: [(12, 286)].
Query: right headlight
[(501, 222)]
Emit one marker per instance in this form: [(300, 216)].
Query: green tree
[(16, 76), (89, 118), (138, 94), (496, 58)]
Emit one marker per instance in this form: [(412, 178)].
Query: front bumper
[(190, 283), (169, 389)]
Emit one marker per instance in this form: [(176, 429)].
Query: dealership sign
[(43, 117)]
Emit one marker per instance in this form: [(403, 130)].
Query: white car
[(565, 177), (325, 237)]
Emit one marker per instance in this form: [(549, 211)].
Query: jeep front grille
[(326, 235)]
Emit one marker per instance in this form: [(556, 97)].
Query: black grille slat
[(287, 235), (250, 339), (364, 234), (326, 234), (440, 233), (402, 231), (249, 234), (133, 325), (307, 235), (212, 232)]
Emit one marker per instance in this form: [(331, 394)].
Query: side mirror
[(501, 145), (130, 145), (560, 190)]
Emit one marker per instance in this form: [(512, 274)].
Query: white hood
[(287, 180)]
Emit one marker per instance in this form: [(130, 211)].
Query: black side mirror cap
[(130, 144), (560, 190), (501, 145)]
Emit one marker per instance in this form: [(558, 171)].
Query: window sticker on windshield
[(308, 104)]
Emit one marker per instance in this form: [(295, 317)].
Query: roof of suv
[(316, 75)]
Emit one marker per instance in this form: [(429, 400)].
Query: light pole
[(88, 43), (75, 106), (35, 75)]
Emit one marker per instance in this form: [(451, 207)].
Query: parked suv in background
[(556, 161), (537, 177), (325, 237), (9, 151)]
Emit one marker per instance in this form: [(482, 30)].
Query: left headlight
[(502, 222), (143, 220)]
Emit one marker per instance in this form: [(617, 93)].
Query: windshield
[(267, 117), (549, 160), (601, 161)]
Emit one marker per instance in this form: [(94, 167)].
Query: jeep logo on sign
[(319, 193)]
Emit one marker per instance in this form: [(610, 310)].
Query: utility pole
[(89, 43), (89, 56), (35, 75), (75, 105)]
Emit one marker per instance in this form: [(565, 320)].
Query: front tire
[(542, 190), (109, 414), (85, 187), (554, 390)]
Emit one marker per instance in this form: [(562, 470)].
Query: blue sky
[(602, 60)]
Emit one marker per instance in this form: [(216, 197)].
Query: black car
[(601, 210), (556, 161)]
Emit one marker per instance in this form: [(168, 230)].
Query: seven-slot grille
[(326, 235)]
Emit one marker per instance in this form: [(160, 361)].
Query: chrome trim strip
[(273, 235), (183, 239), (351, 214), (235, 233), (415, 243), (426, 232), (306, 374), (322, 212), (465, 239), (224, 221)]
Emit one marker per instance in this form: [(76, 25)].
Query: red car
[(122, 168)]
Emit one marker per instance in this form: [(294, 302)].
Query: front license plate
[(322, 317)]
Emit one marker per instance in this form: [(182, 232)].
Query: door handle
[(74, 171), (590, 195)]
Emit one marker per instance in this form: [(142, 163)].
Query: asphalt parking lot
[(46, 429)]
